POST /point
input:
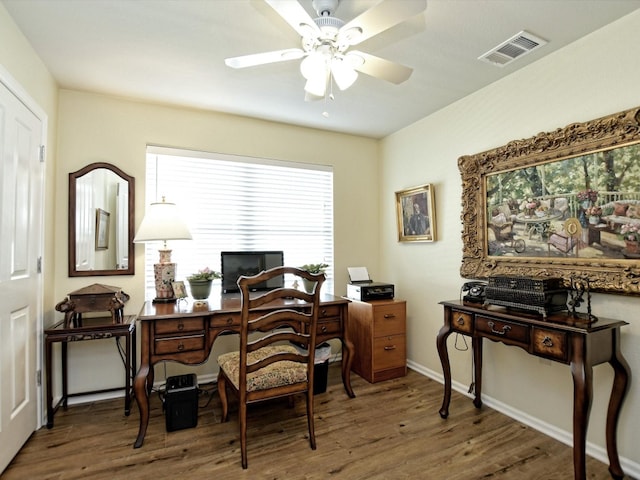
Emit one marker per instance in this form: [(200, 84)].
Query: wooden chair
[(271, 366)]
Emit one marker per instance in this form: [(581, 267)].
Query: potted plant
[(312, 268), (200, 283), (630, 233)]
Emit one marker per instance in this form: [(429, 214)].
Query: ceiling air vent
[(516, 47)]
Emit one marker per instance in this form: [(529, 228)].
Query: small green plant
[(204, 274), (314, 267)]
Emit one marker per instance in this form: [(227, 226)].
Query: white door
[(20, 283)]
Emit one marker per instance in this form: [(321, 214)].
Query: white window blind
[(241, 204)]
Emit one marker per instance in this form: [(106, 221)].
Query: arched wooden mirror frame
[(129, 268)]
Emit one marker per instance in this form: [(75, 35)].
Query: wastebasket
[(320, 367)]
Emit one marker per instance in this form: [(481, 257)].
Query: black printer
[(362, 288)]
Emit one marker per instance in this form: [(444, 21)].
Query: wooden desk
[(185, 332), (561, 338), (92, 329)]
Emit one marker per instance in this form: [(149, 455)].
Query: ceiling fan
[(326, 42)]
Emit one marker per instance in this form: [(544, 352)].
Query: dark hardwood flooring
[(391, 430)]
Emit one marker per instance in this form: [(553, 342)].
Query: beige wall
[(595, 76), (99, 128), (27, 70)]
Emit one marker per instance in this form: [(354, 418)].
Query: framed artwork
[(179, 290), (416, 214), (564, 204), (102, 229)]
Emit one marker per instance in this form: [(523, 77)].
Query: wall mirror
[(101, 221), (560, 204)]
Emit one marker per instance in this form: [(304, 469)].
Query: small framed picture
[(416, 214), (102, 229), (179, 290)]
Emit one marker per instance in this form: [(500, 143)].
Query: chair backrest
[(284, 325)]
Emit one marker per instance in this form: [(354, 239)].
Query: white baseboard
[(629, 467)]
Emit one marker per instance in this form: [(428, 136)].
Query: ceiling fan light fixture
[(314, 65), (343, 74), (316, 86)]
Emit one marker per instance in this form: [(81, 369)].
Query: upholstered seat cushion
[(274, 375)]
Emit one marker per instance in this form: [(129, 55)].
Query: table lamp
[(163, 222)]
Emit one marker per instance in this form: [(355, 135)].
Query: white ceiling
[(173, 51)]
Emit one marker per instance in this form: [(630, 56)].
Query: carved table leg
[(143, 382), (347, 357), (142, 399), (441, 343), (622, 373), (476, 342), (582, 372), (127, 375)]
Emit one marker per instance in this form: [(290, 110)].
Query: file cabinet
[(378, 331)]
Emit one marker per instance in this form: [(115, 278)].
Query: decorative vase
[(632, 247), (200, 289), (594, 219)]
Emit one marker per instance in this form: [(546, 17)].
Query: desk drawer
[(225, 320), (389, 352), (328, 312), (389, 319), (504, 331), (463, 322), (327, 327), (550, 343), (179, 325), (186, 343)]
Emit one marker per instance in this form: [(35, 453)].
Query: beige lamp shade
[(163, 222)]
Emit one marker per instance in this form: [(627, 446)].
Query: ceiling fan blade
[(379, 18), (378, 67), (295, 15), (263, 58)]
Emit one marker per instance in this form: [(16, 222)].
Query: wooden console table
[(91, 329), (561, 338), (185, 331)]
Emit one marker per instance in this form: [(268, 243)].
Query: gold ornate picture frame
[(416, 214), (552, 238)]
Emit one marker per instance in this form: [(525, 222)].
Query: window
[(239, 203)]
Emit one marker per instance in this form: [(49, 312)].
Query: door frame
[(21, 94)]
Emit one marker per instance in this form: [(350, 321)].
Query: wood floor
[(391, 430)]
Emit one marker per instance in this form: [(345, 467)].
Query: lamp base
[(164, 300), (164, 276)]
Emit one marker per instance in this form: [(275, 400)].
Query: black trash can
[(320, 374), (320, 367)]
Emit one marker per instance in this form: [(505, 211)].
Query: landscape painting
[(586, 206)]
